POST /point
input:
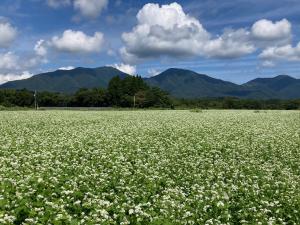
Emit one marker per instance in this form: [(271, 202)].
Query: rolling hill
[(282, 86), (188, 84), (67, 81), (178, 82)]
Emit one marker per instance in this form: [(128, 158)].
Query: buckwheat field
[(150, 167)]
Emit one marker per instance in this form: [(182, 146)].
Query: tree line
[(237, 103), (132, 91)]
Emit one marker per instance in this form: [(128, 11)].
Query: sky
[(233, 40)]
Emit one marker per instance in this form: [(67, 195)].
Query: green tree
[(90, 97), (115, 91)]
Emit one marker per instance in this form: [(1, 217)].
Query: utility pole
[(35, 100)]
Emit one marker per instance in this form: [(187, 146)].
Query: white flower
[(220, 204)]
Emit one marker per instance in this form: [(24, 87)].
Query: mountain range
[(179, 83)]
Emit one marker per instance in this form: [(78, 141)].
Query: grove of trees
[(132, 91)]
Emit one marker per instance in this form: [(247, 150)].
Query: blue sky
[(235, 40)]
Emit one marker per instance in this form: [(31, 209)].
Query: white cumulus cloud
[(17, 66), (126, 68), (164, 30), (11, 76), (9, 61), (275, 38), (231, 44), (78, 42), (13, 66), (168, 31), (90, 8), (40, 48), (270, 31), (7, 34), (286, 52)]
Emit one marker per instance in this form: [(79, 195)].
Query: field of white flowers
[(150, 167)]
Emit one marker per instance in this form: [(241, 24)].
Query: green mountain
[(67, 81), (282, 86), (188, 84), (178, 82)]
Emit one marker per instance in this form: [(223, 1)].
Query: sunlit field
[(150, 167)]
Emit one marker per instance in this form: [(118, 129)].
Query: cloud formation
[(164, 30), (7, 34), (9, 61), (40, 48), (266, 30), (90, 8), (86, 8), (12, 67), (167, 31), (78, 42), (11, 76), (15, 66), (67, 68), (231, 44), (126, 68), (286, 52), (153, 72)]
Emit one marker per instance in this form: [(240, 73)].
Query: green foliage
[(130, 91), (179, 83), (22, 98), (53, 99), (115, 90), (133, 90), (120, 93), (236, 103), (95, 97)]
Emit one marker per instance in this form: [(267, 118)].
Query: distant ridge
[(282, 86), (188, 84), (67, 81), (179, 83)]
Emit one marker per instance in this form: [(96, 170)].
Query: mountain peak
[(181, 83), (284, 77), (177, 71), (281, 85), (67, 81), (173, 69), (271, 79)]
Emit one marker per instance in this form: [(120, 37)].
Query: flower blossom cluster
[(150, 167)]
